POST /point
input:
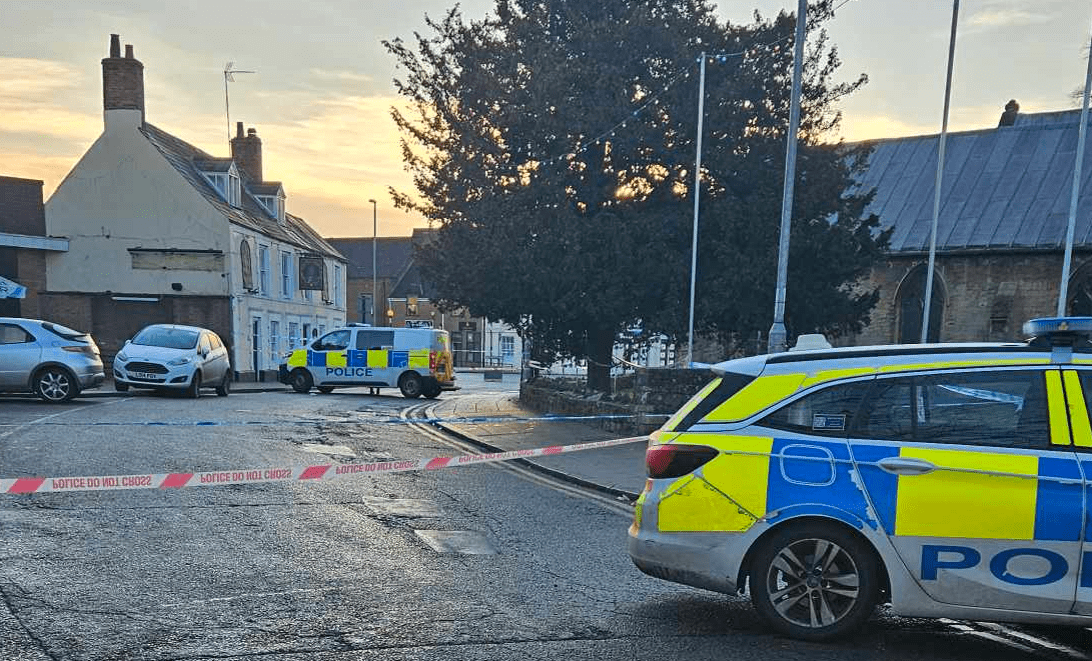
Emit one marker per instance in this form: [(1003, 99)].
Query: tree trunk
[(600, 349)]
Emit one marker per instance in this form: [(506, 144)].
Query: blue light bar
[(1047, 326)]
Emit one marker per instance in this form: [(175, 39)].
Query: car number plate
[(143, 375)]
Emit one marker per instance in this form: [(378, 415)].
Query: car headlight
[(184, 360), (122, 357)]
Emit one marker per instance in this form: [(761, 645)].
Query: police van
[(949, 480), (417, 361)]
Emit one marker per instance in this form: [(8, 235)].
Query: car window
[(373, 339), (214, 341), (828, 412), (64, 331), (1000, 408), (171, 338), (333, 341), (12, 334), (206, 346)]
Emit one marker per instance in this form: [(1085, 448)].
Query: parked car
[(171, 357), (52, 361), (949, 480)]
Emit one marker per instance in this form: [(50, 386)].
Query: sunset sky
[(322, 96)]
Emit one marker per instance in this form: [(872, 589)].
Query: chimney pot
[(1008, 118), (129, 51), (238, 129), (252, 133), (115, 45)]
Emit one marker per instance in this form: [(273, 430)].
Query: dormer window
[(274, 204), (227, 184)]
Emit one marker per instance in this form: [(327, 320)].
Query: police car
[(948, 480), (417, 361)]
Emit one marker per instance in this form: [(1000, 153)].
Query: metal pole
[(697, 199), (375, 230), (777, 337), (940, 177), (227, 107), (1063, 291)]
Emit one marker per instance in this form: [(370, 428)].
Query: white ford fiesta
[(165, 356)]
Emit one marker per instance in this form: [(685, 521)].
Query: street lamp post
[(375, 228)]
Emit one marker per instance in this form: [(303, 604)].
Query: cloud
[(342, 76), (36, 99), (1003, 18)]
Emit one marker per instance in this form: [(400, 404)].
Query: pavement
[(618, 470)]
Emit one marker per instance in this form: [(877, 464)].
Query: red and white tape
[(321, 472)]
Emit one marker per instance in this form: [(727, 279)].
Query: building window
[(234, 193), (366, 309), (293, 334), (508, 349), (337, 285), (274, 342), (263, 265), (246, 265), (911, 306), (286, 274)]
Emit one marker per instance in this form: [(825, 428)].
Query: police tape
[(315, 473), (319, 421)]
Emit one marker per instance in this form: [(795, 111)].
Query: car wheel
[(814, 581), (326, 390), (300, 380), (410, 384), (120, 386), (224, 389), (195, 386), (55, 385)]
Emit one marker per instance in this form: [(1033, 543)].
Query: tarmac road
[(466, 563)]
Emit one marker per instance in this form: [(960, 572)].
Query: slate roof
[(392, 255), (1004, 188), (190, 161)]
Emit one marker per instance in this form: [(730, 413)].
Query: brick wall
[(988, 297), (645, 396), (112, 322), (22, 212)]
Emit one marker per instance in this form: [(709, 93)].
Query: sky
[(323, 90)]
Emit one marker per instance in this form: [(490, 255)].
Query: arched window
[(910, 304), (246, 264), (1079, 295)]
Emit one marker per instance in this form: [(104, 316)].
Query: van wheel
[(300, 380), (326, 390), (432, 390), (410, 384), (814, 581)]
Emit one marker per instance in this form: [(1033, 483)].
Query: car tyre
[(300, 380), (326, 390), (224, 389), (411, 385), (195, 386), (55, 385), (121, 386), (814, 581)]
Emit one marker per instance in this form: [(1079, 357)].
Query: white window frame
[(234, 192), (274, 341), (337, 285), (286, 275), (263, 270)]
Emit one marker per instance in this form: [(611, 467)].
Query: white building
[(160, 231)]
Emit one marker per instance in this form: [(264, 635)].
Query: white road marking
[(23, 426), (1036, 640)]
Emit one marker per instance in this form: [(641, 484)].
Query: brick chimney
[(122, 86), (246, 151)]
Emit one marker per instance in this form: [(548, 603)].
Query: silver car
[(173, 357), (47, 359)]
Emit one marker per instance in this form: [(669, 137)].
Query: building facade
[(1001, 230), (23, 247), (160, 231)]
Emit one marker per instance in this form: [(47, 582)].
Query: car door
[(1078, 384), (20, 353), (974, 479)]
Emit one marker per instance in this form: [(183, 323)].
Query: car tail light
[(665, 461), (432, 360), (85, 349)]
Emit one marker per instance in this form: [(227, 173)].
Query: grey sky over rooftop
[(321, 98)]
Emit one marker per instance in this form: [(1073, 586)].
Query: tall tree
[(553, 144)]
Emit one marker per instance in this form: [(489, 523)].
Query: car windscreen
[(171, 338)]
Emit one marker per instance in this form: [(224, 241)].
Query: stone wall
[(645, 396)]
